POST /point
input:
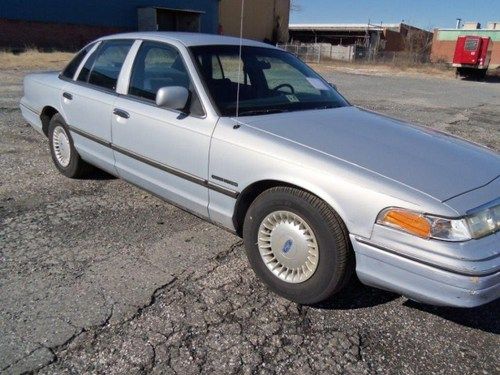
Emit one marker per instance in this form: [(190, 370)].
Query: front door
[(162, 150)]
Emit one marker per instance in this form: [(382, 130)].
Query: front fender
[(246, 156)]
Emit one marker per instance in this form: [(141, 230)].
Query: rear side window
[(70, 70), (103, 67)]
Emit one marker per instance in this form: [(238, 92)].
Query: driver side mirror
[(172, 97)]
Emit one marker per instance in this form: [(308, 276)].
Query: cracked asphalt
[(97, 276)]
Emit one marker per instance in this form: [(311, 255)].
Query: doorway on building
[(163, 19)]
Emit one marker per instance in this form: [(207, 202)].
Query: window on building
[(157, 19)]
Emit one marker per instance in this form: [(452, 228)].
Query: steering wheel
[(285, 85)]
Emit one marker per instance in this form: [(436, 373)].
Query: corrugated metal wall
[(109, 13)]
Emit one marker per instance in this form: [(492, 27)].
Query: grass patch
[(383, 68), (33, 59)]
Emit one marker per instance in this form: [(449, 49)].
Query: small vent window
[(471, 44), (70, 70)]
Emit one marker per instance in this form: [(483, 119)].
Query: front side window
[(156, 65), (103, 67), (70, 70), (269, 80)]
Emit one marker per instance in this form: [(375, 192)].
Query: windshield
[(271, 81)]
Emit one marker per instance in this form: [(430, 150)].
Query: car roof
[(188, 39)]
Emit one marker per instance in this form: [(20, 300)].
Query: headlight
[(477, 225), (484, 222)]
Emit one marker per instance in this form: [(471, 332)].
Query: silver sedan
[(248, 137)]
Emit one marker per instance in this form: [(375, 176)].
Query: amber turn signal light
[(407, 221)]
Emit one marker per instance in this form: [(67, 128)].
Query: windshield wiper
[(326, 106), (266, 111)]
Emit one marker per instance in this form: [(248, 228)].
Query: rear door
[(88, 100), (472, 48), (162, 150)]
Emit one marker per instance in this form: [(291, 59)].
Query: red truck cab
[(472, 55)]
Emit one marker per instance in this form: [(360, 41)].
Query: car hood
[(432, 162)]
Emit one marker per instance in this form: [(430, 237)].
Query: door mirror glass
[(173, 97)]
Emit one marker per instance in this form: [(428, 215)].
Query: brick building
[(384, 37), (444, 41)]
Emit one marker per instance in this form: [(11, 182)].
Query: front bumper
[(430, 277), (480, 66)]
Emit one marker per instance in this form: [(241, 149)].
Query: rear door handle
[(68, 96), (121, 113)]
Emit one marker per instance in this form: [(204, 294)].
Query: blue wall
[(113, 13)]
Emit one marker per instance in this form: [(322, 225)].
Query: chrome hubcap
[(288, 246), (61, 145)]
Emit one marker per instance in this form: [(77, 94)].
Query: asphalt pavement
[(97, 276)]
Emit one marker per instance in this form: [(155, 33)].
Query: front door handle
[(68, 96), (121, 113)]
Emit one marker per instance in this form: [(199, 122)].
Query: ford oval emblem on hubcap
[(287, 246)]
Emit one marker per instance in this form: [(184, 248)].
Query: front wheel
[(297, 245), (62, 149)]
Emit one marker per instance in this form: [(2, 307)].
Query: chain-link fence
[(321, 52), (400, 57), (309, 53), (317, 52)]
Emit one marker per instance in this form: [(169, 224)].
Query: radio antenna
[(240, 66)]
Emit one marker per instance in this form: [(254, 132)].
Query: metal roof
[(468, 30), (188, 39), (342, 26)]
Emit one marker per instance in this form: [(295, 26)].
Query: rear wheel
[(481, 74), (471, 73), (62, 149), (297, 245)]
